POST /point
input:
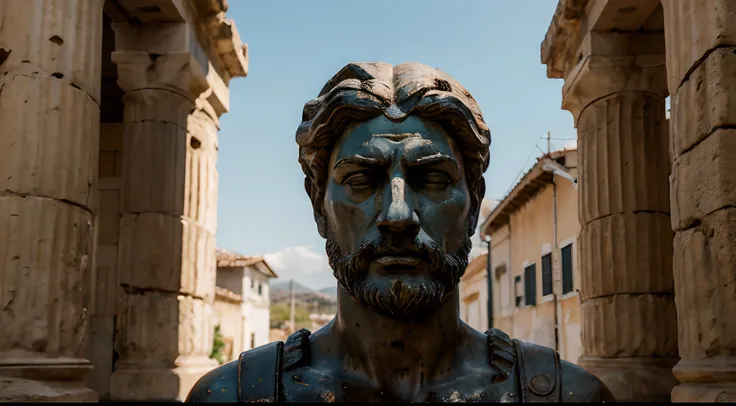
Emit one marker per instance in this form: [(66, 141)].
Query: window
[(547, 274), (530, 285), (260, 288), (567, 285), (517, 290), (252, 283), (500, 270), (252, 340)]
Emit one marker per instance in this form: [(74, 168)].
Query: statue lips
[(392, 260)]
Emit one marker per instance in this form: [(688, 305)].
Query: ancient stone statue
[(394, 157)]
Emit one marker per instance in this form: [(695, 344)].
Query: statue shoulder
[(579, 385), (255, 377), (544, 377), (252, 378), (218, 385)]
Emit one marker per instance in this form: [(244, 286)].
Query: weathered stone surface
[(621, 15), (167, 262), (100, 353), (166, 253), (227, 44), (636, 380), (201, 185), (705, 286), (600, 76), (622, 326), (706, 101), (704, 180), (156, 329), (624, 159), (104, 288), (13, 389), (204, 126), (167, 384), (49, 138), (159, 39), (705, 380), (45, 246), (613, 62), (562, 37), (154, 168), (179, 72), (165, 11), (199, 265), (692, 29), (157, 105), (64, 41), (628, 253)]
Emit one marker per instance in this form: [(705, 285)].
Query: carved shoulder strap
[(501, 353), (539, 373), (259, 378), (296, 350)]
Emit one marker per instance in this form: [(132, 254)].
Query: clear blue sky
[(492, 47)]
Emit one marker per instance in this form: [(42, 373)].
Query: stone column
[(616, 94), (49, 118), (166, 247), (701, 67)]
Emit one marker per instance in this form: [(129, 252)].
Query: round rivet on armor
[(541, 385)]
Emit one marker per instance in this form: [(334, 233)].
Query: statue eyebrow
[(398, 137), (432, 159), (358, 160)]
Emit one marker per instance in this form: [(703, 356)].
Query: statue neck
[(393, 352)]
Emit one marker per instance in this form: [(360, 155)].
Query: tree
[(218, 346)]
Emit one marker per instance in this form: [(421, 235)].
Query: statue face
[(395, 206)]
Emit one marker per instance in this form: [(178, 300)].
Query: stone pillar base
[(707, 380), (634, 379), (159, 384), (44, 380), (14, 389)]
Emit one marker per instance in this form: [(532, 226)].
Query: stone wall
[(49, 113), (109, 200)]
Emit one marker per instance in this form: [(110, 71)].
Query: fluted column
[(49, 118), (167, 243), (701, 67), (616, 94)]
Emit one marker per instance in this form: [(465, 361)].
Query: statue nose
[(399, 217)]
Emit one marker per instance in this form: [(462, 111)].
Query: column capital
[(179, 72), (615, 62), (217, 96)]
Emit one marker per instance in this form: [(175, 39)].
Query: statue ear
[(319, 216)]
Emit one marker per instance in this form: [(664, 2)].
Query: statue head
[(394, 159)]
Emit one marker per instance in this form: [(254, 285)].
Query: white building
[(249, 278)]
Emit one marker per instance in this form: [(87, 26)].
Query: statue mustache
[(428, 251)]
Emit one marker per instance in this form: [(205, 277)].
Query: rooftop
[(230, 259), (533, 181)]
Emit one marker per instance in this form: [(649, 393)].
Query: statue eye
[(435, 180), (359, 181)]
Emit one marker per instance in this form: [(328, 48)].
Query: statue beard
[(403, 296)]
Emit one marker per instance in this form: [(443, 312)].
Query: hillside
[(330, 290), (283, 286)]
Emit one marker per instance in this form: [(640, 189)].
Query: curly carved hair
[(362, 91)]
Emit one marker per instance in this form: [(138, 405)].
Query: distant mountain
[(330, 290), (284, 287)]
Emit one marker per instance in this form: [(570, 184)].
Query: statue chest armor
[(279, 373)]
